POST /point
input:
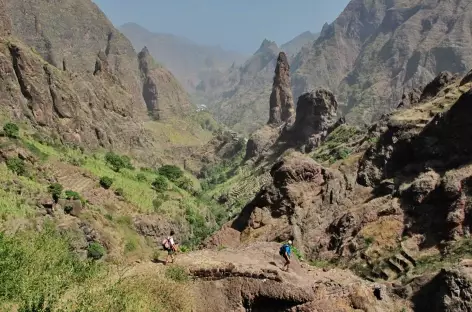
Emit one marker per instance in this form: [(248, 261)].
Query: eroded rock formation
[(316, 114), (282, 108)]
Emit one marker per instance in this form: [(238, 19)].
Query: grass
[(336, 146)]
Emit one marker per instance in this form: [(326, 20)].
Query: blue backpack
[(283, 249)]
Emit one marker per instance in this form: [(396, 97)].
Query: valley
[(354, 143)]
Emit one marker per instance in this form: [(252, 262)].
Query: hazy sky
[(238, 25)]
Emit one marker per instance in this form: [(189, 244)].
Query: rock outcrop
[(163, 95), (282, 109), (73, 32), (316, 115), (433, 88), (448, 291), (83, 109), (248, 279), (368, 56)]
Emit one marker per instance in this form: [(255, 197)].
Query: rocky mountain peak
[(281, 100), (267, 46)]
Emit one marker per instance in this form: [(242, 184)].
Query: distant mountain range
[(187, 60)]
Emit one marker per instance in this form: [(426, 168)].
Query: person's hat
[(290, 242)]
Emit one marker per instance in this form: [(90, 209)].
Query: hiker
[(169, 246), (285, 252)]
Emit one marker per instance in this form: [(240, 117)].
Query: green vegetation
[(56, 190), (119, 192), (17, 165), (141, 177), (338, 144), (11, 130), (106, 182), (95, 251), (39, 264), (160, 184), (117, 162), (71, 195), (177, 274), (173, 173)]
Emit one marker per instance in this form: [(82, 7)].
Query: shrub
[(141, 177), (72, 195), (109, 217), (118, 162), (11, 130), (106, 182), (177, 274), (127, 162), (16, 165), (68, 209), (130, 246), (185, 183), (173, 173), (160, 184), (95, 251), (119, 192), (56, 190)]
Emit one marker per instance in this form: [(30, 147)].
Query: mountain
[(371, 54), (184, 58), (80, 79), (294, 46), (390, 202), (238, 97), (376, 49)]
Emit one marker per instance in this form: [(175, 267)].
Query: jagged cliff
[(70, 73), (369, 57)]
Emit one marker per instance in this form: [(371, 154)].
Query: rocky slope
[(70, 73), (188, 61), (163, 95), (369, 56), (397, 196), (70, 34), (376, 49), (294, 46)]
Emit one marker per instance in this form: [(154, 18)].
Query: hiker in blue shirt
[(285, 251)]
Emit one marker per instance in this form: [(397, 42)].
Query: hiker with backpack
[(285, 251), (169, 245)]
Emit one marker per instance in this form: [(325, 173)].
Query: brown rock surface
[(282, 108), (74, 32), (85, 109), (249, 278), (316, 114)]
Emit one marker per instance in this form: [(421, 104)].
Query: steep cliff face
[(399, 190), (282, 109), (86, 109), (386, 47), (372, 54), (163, 95), (70, 34)]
